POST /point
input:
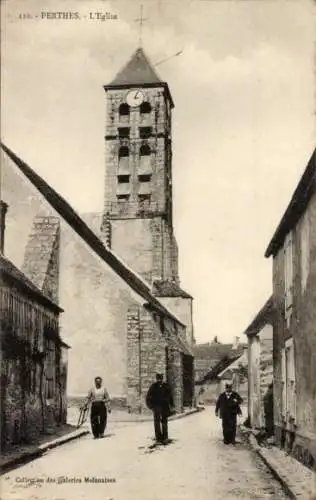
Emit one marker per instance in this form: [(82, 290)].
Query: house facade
[(260, 362), (34, 358), (293, 249)]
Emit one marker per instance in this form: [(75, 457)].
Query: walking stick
[(83, 415)]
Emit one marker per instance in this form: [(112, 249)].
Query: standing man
[(159, 400), (100, 404), (228, 407)]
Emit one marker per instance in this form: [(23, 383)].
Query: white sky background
[(244, 124)]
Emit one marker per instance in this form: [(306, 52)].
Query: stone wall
[(132, 240), (157, 143), (146, 349), (96, 302), (41, 258), (151, 349), (182, 309)]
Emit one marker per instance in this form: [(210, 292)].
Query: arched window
[(145, 150), (124, 109), (123, 152), (145, 108), (145, 158)]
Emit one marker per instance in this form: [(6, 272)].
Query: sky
[(243, 123)]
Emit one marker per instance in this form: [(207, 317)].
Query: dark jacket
[(159, 397), (228, 407)]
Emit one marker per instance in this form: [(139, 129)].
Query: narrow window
[(123, 132), (122, 197), (145, 132), (305, 250), (123, 152), (145, 150), (143, 198), (124, 109), (123, 179), (144, 178), (145, 108)]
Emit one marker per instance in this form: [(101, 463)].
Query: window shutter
[(283, 381), (305, 256)]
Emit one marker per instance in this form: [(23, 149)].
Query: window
[(123, 164), (145, 150), (288, 277), (305, 252), (145, 108), (145, 132), (49, 388), (124, 109), (143, 198), (144, 178), (145, 160), (122, 197), (122, 179), (123, 152), (123, 132), (34, 379)]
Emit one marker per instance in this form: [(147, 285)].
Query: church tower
[(137, 219)]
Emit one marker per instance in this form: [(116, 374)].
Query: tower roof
[(137, 71)]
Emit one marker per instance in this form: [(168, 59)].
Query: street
[(124, 466)]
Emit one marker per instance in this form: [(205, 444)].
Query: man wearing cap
[(228, 407), (159, 400), (100, 405)]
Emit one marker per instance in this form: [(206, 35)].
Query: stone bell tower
[(137, 218)]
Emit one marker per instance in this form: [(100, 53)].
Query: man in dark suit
[(159, 400), (228, 407)]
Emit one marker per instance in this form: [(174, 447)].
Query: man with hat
[(228, 407), (159, 400)]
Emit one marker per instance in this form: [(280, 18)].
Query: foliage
[(242, 371)]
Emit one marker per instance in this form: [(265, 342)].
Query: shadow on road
[(156, 446)]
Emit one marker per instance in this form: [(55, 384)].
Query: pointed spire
[(137, 71)]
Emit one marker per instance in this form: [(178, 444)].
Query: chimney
[(3, 211)]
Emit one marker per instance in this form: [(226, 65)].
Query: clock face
[(134, 98)]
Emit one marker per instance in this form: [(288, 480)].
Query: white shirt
[(98, 394)]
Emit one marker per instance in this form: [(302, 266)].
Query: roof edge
[(31, 288), (262, 318), (295, 209), (65, 210)]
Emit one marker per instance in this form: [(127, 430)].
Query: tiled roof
[(10, 270), (137, 71), (219, 367), (296, 207), (169, 288), (215, 351)]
